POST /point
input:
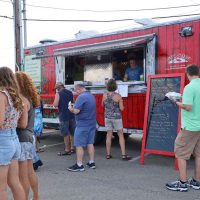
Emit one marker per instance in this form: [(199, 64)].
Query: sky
[(60, 9)]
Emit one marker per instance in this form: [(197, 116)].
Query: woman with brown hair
[(113, 105), (12, 114), (27, 175)]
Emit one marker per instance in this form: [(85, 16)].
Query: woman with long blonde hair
[(27, 175), (12, 114)]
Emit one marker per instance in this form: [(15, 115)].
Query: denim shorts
[(26, 151), (10, 148), (84, 136), (67, 127)]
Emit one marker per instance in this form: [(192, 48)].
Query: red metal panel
[(162, 50), (133, 114), (169, 45), (100, 110), (176, 48), (196, 45), (189, 46)]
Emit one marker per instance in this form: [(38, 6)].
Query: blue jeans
[(10, 148)]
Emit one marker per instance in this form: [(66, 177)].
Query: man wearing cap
[(66, 118)]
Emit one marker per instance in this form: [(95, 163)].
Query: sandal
[(108, 156), (64, 153), (72, 151), (126, 157)]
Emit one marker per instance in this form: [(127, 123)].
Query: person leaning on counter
[(133, 72)]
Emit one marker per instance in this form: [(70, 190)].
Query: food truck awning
[(104, 46)]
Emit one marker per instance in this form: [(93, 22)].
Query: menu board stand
[(162, 116)]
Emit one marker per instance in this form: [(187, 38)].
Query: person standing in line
[(66, 118), (12, 114), (188, 140), (85, 115), (38, 127), (113, 105), (133, 72), (37, 130), (28, 177)]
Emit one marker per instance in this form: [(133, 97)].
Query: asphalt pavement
[(113, 179)]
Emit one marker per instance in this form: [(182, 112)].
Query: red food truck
[(159, 49)]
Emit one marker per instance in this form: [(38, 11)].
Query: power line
[(5, 1), (104, 21), (3, 16), (87, 10), (134, 10)]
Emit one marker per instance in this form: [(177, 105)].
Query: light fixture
[(186, 31)]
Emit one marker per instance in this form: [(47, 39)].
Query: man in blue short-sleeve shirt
[(133, 72), (85, 116)]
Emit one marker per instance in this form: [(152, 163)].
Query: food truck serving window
[(100, 59)]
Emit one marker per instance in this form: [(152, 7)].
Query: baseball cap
[(58, 84)]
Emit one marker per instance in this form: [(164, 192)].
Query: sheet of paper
[(123, 90)]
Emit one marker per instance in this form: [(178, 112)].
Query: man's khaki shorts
[(187, 143)]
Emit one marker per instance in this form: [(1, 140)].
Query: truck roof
[(119, 32)]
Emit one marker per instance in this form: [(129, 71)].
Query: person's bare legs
[(108, 142), (71, 142), (197, 169), (79, 154), (121, 141), (3, 182), (182, 164), (23, 176), (67, 143), (91, 151), (33, 179), (14, 182)]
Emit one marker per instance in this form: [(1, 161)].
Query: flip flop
[(72, 151), (126, 157), (108, 156), (64, 153), (40, 151)]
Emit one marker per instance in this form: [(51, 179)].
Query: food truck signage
[(33, 68)]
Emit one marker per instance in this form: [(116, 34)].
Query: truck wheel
[(99, 137)]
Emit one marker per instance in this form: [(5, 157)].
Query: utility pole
[(18, 34), (24, 23)]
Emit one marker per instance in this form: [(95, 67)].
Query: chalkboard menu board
[(161, 115)]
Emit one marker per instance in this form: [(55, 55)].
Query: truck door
[(150, 57), (60, 69)]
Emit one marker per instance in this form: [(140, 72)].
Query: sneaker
[(39, 163), (177, 186), (76, 168), (35, 166), (194, 184), (91, 165)]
